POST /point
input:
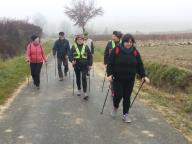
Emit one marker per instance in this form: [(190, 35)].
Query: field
[(180, 55)]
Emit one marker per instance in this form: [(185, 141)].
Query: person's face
[(115, 38), (37, 41), (61, 37), (128, 44), (80, 41), (86, 38)]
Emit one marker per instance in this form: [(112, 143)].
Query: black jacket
[(81, 62), (108, 50), (61, 48), (125, 64)]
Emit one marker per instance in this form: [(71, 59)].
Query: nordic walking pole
[(105, 99), (55, 67), (93, 71), (28, 67), (103, 81), (137, 93), (89, 82), (46, 72), (73, 83), (69, 72)]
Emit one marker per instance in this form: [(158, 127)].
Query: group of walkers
[(121, 59)]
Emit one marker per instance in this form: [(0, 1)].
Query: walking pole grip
[(103, 82)]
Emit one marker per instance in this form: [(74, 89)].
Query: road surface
[(52, 115)]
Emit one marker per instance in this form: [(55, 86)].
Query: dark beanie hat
[(128, 37), (33, 37), (117, 34), (86, 33), (61, 33)]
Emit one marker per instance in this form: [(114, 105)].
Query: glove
[(146, 79)]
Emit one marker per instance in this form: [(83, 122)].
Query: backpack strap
[(117, 51), (135, 52)]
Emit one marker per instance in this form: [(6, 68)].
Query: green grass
[(99, 54), (169, 77), (188, 104), (13, 72)]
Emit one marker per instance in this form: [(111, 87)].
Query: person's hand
[(146, 79), (89, 68), (110, 78), (73, 62), (46, 61), (28, 62)]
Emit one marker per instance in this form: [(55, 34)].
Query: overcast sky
[(124, 15)]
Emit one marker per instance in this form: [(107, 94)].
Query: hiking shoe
[(126, 118), (37, 86), (86, 96), (61, 79), (79, 93), (114, 112)]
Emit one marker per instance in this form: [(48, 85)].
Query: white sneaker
[(86, 96), (114, 112), (61, 79), (79, 93), (126, 118)]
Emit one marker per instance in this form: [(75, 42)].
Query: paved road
[(52, 115)]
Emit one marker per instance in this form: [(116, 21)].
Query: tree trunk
[(83, 28)]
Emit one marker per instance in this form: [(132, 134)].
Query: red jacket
[(35, 53)]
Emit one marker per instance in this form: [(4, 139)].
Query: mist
[(127, 16)]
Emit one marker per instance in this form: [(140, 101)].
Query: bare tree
[(81, 11)]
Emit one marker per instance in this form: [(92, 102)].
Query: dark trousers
[(123, 89), (61, 61), (81, 75), (35, 72)]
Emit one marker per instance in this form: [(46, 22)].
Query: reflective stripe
[(113, 44), (79, 54)]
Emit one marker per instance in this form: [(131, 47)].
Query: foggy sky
[(124, 15)]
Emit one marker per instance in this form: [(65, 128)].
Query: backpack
[(117, 51)]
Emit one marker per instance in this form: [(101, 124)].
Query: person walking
[(89, 42), (81, 59), (35, 56), (116, 38), (61, 48), (123, 65)]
